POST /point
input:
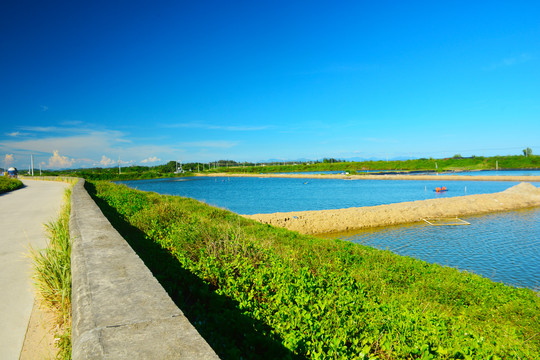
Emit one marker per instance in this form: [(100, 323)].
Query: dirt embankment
[(325, 221)]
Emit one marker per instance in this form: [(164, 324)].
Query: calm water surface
[(504, 247), (269, 195)]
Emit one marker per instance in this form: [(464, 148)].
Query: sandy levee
[(519, 196), (385, 177)]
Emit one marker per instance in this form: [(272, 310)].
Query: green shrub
[(9, 184), (320, 298)]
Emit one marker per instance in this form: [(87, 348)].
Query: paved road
[(22, 215)]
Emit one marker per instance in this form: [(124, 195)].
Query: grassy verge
[(52, 276), (255, 291), (9, 184)]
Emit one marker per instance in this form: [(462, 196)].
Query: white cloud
[(380, 140), (510, 61), (86, 146), (59, 162), (39, 128), (72, 122), (105, 161), (15, 134), (8, 159), (44, 108), (216, 144), (151, 159), (195, 125)]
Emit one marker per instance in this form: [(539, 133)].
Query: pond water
[(248, 195), (504, 247)]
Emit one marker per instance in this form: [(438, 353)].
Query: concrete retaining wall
[(119, 310)]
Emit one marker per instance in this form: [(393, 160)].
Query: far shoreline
[(531, 178)]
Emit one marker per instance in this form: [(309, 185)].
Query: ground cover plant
[(52, 276), (9, 184), (255, 291)]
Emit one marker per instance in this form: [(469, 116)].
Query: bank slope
[(257, 291)]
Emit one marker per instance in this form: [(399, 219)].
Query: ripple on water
[(503, 246)]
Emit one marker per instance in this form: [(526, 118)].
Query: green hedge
[(9, 184), (316, 298)]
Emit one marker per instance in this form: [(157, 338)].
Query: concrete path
[(22, 215)]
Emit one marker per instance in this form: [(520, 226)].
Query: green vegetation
[(124, 173), (255, 291), (449, 164), (52, 276), (457, 162), (9, 184)]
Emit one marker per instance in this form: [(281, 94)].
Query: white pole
[(32, 162)]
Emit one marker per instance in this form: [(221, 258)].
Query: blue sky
[(84, 84)]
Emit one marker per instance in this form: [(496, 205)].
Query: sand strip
[(325, 221), (385, 177)]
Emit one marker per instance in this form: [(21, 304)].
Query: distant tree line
[(174, 168)]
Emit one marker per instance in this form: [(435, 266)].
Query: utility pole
[(119, 169), (32, 163)]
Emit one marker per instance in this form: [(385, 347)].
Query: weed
[(52, 275), (320, 298), (9, 184)]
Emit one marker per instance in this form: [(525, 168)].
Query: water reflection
[(503, 246)]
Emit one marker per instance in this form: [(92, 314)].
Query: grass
[(439, 165), (256, 291), (9, 184), (52, 276)]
